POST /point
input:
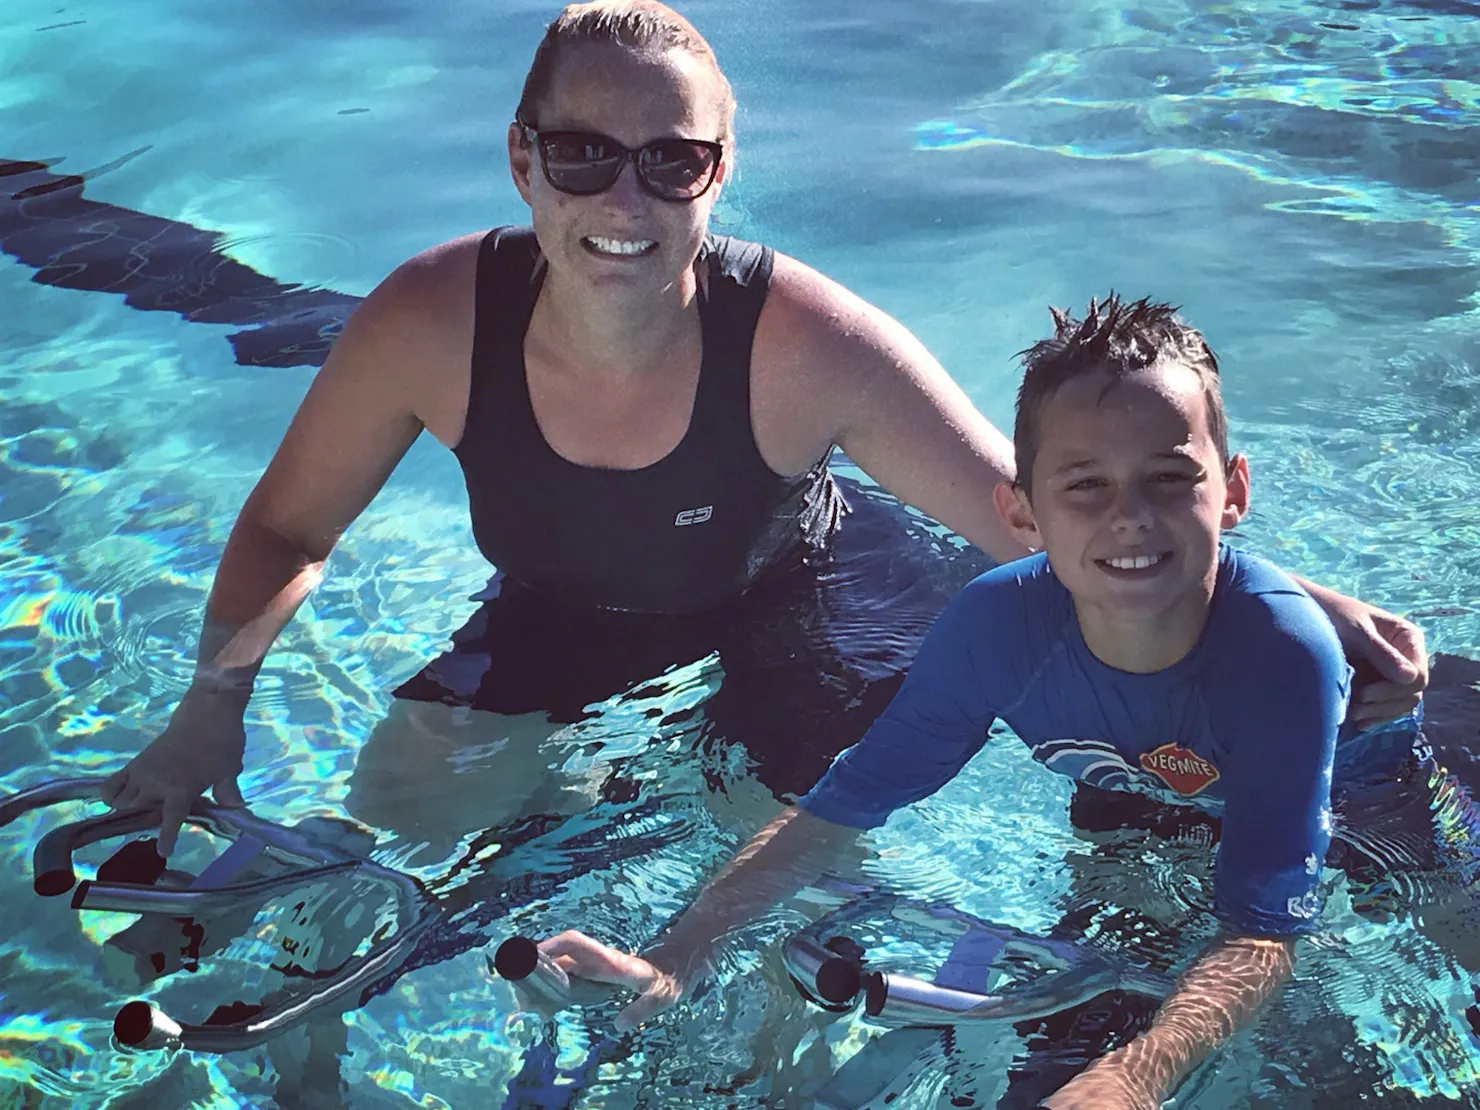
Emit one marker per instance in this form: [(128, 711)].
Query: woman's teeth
[(619, 246), (1134, 562)]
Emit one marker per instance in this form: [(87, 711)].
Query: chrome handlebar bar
[(833, 973), (142, 1024)]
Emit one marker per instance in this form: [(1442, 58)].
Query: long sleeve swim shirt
[(1244, 726)]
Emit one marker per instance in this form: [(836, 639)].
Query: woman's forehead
[(612, 89)]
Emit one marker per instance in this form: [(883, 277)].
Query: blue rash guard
[(1244, 726)]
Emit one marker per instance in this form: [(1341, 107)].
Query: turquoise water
[(1303, 177)]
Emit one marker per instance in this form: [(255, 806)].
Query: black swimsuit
[(610, 578), (691, 531)]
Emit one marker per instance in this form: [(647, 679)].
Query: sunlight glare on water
[(1303, 177)]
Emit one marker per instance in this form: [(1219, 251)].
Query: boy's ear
[(521, 159), (1015, 511), (1236, 494)]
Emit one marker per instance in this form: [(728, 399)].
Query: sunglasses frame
[(531, 136)]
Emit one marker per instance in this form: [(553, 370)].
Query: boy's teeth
[(619, 246), (1134, 562)]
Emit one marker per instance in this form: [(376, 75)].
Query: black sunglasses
[(584, 163)]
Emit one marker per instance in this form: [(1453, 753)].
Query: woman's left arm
[(859, 378), (855, 377), (1393, 646)]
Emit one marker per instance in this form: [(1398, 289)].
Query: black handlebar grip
[(839, 980), (516, 958), (133, 1023)]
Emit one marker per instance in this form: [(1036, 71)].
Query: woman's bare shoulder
[(411, 341)]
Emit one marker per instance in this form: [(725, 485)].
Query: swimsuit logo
[(1183, 770), (1306, 906), (693, 516)]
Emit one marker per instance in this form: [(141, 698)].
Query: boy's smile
[(1128, 498)]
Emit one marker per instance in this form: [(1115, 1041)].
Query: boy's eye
[(1086, 484)]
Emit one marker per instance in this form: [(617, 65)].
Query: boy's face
[(1129, 495)]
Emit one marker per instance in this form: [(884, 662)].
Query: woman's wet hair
[(637, 25), (1119, 339)]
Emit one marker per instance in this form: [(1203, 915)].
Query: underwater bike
[(187, 917)]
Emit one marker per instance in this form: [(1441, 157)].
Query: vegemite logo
[(1183, 770)]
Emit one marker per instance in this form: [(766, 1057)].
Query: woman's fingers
[(129, 795), (1396, 650), (227, 793), (580, 955), (176, 809), (126, 790), (1385, 701), (662, 993), (1381, 709), (113, 786)]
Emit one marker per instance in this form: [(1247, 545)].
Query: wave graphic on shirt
[(1098, 763)]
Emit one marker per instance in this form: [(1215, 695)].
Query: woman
[(644, 415)]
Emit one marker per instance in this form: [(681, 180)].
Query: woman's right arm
[(394, 370)]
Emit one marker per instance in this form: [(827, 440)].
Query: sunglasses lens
[(676, 168), (585, 163), (580, 163)]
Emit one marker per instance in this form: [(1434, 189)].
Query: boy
[(1135, 653)]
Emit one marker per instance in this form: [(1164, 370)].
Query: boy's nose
[(1131, 512)]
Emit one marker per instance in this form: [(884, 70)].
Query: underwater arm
[(358, 419), (789, 853), (934, 725), (1214, 999)]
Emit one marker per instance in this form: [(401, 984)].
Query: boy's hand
[(577, 954), (1104, 1085)]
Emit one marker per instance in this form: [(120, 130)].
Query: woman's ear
[(521, 159), (1017, 513), (1236, 494)]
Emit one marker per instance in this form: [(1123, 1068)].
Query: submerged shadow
[(161, 265), (1451, 722)]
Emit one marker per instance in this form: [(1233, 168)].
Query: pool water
[(1303, 176)]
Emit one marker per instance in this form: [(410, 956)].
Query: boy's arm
[(792, 851), (1214, 999), (1280, 695), (934, 725), (787, 855)]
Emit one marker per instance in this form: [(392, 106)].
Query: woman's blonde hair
[(634, 24)]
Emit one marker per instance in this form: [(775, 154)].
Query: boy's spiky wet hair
[(1115, 338)]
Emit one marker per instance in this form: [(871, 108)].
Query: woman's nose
[(626, 193)]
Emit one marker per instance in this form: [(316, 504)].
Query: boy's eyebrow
[(1180, 454), (1074, 464)]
